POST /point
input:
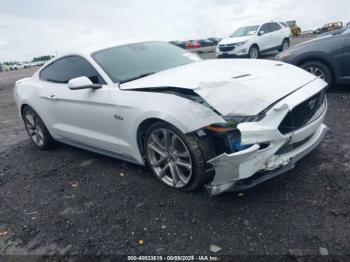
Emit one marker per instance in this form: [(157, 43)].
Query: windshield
[(130, 62), (244, 31), (347, 31)]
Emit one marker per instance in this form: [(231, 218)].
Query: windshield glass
[(347, 31), (244, 31), (130, 62)]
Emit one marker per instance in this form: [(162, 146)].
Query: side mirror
[(261, 32), (82, 83)]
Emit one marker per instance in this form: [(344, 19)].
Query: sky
[(41, 27)]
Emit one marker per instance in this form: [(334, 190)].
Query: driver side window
[(67, 68), (265, 28)]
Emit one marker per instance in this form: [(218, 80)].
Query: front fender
[(184, 114)]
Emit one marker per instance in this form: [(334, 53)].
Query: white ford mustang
[(227, 124)]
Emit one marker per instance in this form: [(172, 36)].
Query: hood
[(234, 40), (241, 87)]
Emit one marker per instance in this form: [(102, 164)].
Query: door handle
[(52, 97)]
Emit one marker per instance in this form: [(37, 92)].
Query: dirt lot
[(70, 201)]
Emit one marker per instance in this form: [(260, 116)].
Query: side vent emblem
[(117, 117)]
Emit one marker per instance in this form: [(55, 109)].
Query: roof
[(89, 49)]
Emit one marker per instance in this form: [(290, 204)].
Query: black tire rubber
[(201, 150), (281, 48), (323, 67), (49, 142), (257, 49)]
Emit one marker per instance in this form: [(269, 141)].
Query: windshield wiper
[(136, 77)]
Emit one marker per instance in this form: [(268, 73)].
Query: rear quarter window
[(275, 27)]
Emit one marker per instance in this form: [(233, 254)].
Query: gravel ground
[(70, 201)]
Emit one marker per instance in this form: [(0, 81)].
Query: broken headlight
[(226, 136), (232, 122)]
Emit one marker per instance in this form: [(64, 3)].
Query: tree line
[(35, 59)]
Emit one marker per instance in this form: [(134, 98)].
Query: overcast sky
[(39, 27)]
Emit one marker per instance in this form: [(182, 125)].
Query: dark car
[(205, 42), (334, 32), (327, 57)]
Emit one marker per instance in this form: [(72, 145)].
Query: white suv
[(250, 41)]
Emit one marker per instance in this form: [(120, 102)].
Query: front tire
[(176, 159), (36, 129), (320, 70), (254, 52)]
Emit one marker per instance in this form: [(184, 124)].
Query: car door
[(264, 37), (81, 117)]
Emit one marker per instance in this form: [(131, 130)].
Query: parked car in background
[(327, 57), (329, 27), (27, 65), (193, 44), (17, 66), (334, 32), (226, 124), (205, 42), (215, 40), (5, 68), (251, 41)]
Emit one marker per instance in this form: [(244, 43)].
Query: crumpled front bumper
[(237, 171), (247, 168)]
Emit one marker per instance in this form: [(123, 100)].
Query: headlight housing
[(232, 122), (241, 43)]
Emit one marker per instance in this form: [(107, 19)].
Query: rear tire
[(285, 45), (319, 69), (163, 158), (36, 129)]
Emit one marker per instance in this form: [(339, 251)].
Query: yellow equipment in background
[(294, 28)]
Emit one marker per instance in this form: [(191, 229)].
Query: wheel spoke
[(162, 172), (157, 141), (157, 163), (183, 164), (156, 149), (30, 120), (174, 174), (182, 154), (40, 134), (35, 137), (166, 138), (181, 175)]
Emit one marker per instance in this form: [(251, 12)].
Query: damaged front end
[(254, 150)]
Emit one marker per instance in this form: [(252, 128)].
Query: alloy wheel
[(34, 127), (169, 158), (253, 53), (317, 72), (285, 45)]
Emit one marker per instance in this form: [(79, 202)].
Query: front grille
[(302, 113), (226, 48)]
